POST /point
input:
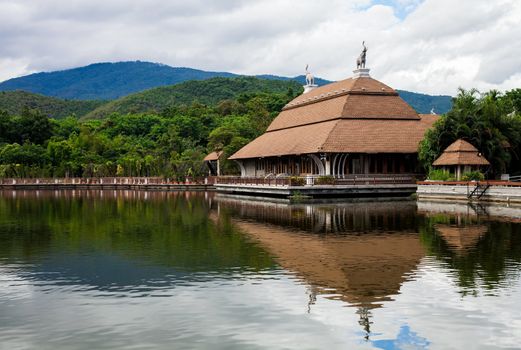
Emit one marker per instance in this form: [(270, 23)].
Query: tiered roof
[(461, 153), (356, 115)]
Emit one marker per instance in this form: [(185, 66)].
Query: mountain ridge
[(114, 80)]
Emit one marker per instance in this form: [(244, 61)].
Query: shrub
[(325, 180), (473, 176), (297, 181), (440, 175)]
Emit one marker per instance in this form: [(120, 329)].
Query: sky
[(430, 46)]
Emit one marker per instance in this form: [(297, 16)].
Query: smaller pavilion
[(213, 162), (460, 157)]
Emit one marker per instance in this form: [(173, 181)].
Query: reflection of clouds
[(243, 313), (436, 311), (12, 285), (266, 312)]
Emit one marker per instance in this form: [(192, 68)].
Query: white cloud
[(439, 46)]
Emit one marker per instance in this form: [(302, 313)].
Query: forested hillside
[(106, 81), (14, 102), (207, 92), (171, 143)]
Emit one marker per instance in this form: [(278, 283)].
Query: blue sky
[(401, 8)]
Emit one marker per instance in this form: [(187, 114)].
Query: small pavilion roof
[(461, 153), (215, 155)]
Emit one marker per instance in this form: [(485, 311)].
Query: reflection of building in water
[(485, 211), (461, 239), (323, 218), (364, 268)]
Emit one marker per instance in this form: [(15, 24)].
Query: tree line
[(171, 143), (490, 121)]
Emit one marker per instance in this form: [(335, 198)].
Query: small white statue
[(310, 79), (360, 61)]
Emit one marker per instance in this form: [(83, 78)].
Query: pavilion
[(357, 126), (460, 157)]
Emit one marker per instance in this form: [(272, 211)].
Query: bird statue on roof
[(310, 79), (360, 62)]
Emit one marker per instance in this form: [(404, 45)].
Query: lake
[(165, 270)]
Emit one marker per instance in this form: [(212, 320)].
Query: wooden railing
[(237, 180), (104, 181), (472, 183), (312, 180)]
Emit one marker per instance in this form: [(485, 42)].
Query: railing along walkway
[(313, 180), (104, 181), (472, 184)]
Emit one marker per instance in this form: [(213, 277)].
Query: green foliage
[(473, 176), (14, 102), (297, 181), (170, 144), (325, 180), (488, 121), (440, 175), (207, 92)]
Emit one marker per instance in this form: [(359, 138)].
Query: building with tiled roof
[(354, 126), (460, 157)]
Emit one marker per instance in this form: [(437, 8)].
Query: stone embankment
[(488, 191)]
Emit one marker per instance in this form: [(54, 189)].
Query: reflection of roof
[(213, 156), (358, 115), (461, 153), (342, 135), (461, 239), (364, 269)]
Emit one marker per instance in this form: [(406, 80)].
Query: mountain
[(424, 104), (109, 81), (14, 102), (208, 92), (106, 81)]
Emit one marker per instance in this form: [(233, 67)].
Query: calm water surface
[(137, 270)]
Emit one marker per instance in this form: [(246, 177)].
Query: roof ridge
[(338, 119), (337, 94)]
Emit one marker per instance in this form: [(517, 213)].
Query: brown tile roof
[(351, 98), (461, 145), (342, 135), (460, 153), (368, 85), (213, 156), (300, 140)]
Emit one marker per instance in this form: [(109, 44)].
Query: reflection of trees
[(482, 253), (159, 229)]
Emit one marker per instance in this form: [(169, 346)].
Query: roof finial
[(360, 62), (361, 71), (310, 80)]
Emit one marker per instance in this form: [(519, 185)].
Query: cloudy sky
[(432, 46)]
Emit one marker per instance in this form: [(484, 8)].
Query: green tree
[(484, 120)]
